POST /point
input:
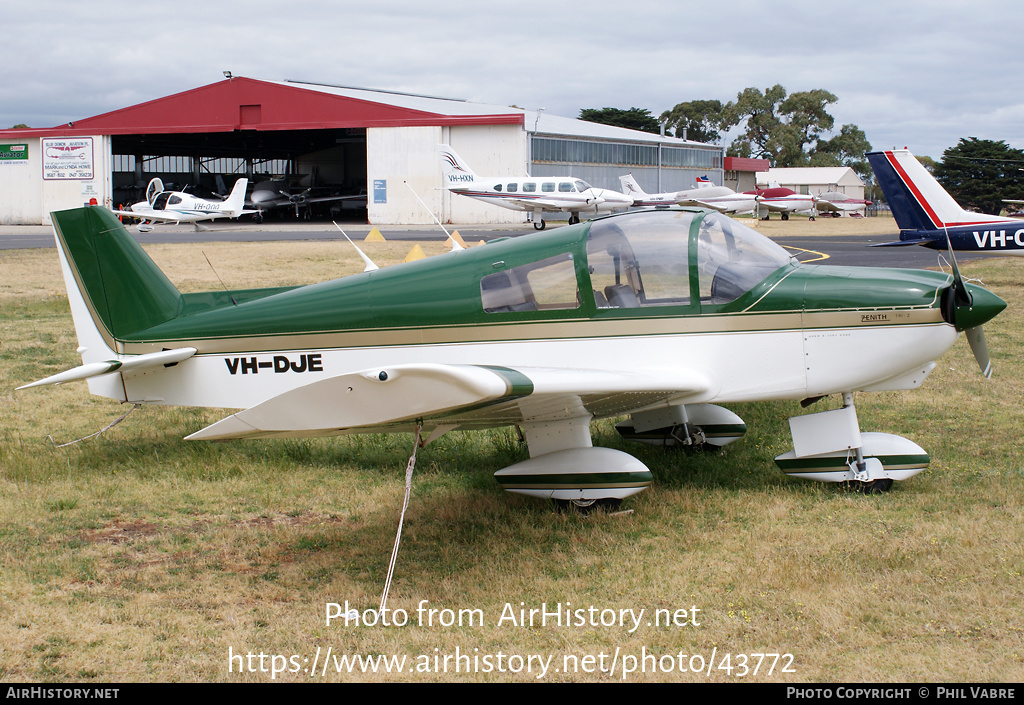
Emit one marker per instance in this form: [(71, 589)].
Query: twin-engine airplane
[(702, 196), (723, 199), (275, 194), (660, 314), (181, 207), (927, 215), (536, 195)]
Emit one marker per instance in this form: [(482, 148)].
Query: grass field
[(137, 556)]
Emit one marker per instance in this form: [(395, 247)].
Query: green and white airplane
[(660, 315)]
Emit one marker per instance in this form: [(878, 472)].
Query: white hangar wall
[(395, 155), (27, 198)]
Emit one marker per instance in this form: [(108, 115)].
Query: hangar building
[(377, 143)]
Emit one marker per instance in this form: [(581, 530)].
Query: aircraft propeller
[(968, 309)]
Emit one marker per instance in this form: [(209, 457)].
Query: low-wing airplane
[(704, 194), (837, 203), (778, 199), (274, 194), (927, 215), (659, 314), (723, 199), (536, 195), (182, 207)]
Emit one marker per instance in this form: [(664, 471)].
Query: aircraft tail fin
[(235, 203), (630, 187), (113, 286), (917, 200), (455, 171)]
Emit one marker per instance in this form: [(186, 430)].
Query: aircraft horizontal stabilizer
[(393, 398), (127, 366)]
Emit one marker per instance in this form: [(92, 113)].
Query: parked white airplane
[(837, 203), (704, 195), (181, 207), (534, 194)]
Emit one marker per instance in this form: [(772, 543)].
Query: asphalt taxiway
[(833, 249)]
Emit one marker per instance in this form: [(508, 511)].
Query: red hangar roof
[(249, 104)]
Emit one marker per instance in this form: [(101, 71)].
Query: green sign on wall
[(13, 152)]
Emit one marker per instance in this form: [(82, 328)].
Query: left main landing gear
[(539, 224), (574, 218)]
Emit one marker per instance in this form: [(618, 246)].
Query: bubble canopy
[(691, 259), (651, 259)]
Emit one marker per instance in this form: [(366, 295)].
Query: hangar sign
[(13, 153), (68, 158)]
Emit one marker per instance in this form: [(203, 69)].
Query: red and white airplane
[(778, 199)]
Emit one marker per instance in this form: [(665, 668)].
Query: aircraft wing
[(445, 397), (697, 203), (167, 216), (547, 204), (180, 216), (823, 204)]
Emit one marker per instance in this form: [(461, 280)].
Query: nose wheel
[(880, 486)]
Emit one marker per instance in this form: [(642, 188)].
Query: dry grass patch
[(139, 557)]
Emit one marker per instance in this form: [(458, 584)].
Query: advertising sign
[(68, 158), (13, 154)]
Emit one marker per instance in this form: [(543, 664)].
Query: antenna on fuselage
[(219, 279), (455, 243), (370, 266)]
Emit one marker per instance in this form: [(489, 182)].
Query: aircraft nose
[(984, 307)]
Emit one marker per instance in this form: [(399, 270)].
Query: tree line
[(796, 129), (788, 130)]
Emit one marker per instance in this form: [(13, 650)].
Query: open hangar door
[(312, 173)]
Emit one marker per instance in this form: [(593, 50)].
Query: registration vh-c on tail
[(927, 215), (659, 315)]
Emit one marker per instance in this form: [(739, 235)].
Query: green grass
[(137, 556)]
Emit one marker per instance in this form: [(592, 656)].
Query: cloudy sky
[(911, 73)]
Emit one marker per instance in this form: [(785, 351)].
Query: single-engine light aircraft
[(182, 207), (659, 314), (836, 203), (927, 215), (536, 195), (699, 196)]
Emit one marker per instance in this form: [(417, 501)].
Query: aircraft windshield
[(732, 258), (643, 259)]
